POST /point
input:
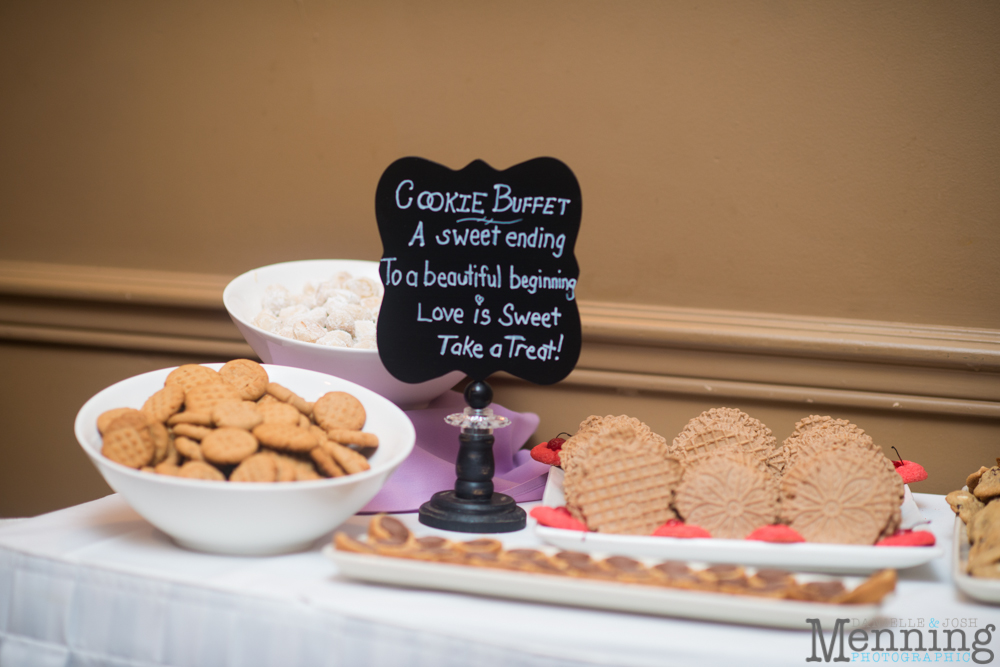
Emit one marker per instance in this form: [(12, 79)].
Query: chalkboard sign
[(479, 270)]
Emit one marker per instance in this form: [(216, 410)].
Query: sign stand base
[(445, 510), (473, 506)]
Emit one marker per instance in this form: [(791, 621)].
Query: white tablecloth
[(97, 585)]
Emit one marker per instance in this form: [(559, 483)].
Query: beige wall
[(831, 158), (823, 159)]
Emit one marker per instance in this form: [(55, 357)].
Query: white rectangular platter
[(611, 596), (803, 556), (977, 588)]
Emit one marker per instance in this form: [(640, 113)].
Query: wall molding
[(796, 336), (627, 347)]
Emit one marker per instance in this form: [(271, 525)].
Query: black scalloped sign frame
[(479, 270)]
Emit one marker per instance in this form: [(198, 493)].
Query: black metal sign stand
[(473, 506)]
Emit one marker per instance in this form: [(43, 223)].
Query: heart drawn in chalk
[(479, 299)]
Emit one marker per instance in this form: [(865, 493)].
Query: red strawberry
[(677, 528), (556, 517), (908, 538), (776, 533)]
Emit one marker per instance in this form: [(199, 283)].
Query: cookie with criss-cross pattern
[(127, 446), (248, 377), (163, 404), (339, 410), (190, 375), (261, 467), (228, 446)]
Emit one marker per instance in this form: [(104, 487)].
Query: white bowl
[(249, 518), (242, 298)]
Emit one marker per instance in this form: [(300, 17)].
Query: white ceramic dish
[(831, 558), (242, 298), (977, 588), (593, 594), (249, 519)]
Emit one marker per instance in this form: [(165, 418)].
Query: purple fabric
[(431, 466)]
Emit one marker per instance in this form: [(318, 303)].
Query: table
[(97, 585)]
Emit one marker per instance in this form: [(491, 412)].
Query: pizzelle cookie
[(339, 410), (582, 444), (621, 485), (248, 378), (728, 495), (728, 427), (815, 433), (841, 496)]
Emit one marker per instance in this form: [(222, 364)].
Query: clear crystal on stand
[(480, 420)]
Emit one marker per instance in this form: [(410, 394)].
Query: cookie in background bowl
[(291, 314)]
